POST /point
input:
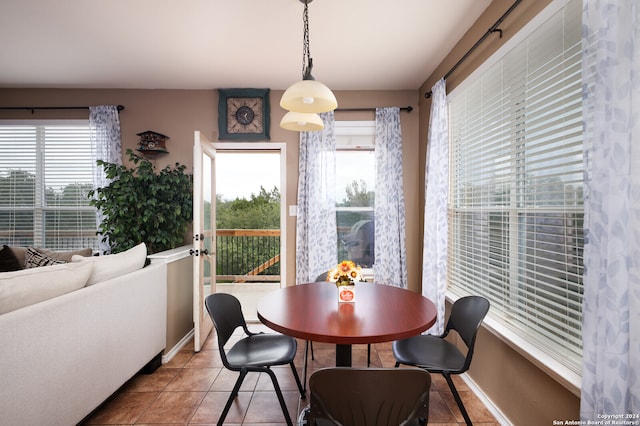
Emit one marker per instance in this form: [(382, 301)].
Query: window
[(516, 201), (355, 190), (46, 172)]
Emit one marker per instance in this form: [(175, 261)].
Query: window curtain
[(611, 318), (390, 266), (104, 132), (316, 231), (436, 183)]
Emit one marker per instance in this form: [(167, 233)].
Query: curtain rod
[(408, 109), (32, 109), (494, 29)]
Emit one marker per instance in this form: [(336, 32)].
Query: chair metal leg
[(303, 392), (283, 405), (306, 362), (369, 355), (456, 396), (234, 393)]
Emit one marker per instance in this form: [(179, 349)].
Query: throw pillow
[(29, 286), (8, 260), (34, 258), (66, 255), (113, 265), (21, 253)]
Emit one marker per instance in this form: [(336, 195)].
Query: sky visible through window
[(240, 174)]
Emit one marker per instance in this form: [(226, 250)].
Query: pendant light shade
[(308, 96), (301, 122)]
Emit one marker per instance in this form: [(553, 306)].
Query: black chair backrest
[(322, 277), (369, 396), (467, 314), (226, 313)]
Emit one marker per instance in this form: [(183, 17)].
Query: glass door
[(204, 229)]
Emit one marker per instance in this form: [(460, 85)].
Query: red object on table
[(381, 313)]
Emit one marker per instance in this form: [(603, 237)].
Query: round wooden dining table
[(380, 313)]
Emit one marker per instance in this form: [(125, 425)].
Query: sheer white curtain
[(434, 256), (104, 132), (390, 265), (316, 231), (611, 314)]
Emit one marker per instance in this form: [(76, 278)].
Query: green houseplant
[(140, 205)]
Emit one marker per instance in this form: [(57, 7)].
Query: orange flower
[(345, 273)]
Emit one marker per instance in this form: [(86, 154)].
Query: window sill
[(560, 373)]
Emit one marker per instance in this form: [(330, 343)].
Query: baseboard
[(177, 348), (493, 409)]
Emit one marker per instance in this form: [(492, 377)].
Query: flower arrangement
[(345, 273)]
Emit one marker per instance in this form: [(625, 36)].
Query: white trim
[(356, 209), (168, 356), (554, 369), (172, 255)]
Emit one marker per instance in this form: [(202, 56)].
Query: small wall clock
[(243, 114)]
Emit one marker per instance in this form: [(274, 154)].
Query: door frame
[(281, 147)]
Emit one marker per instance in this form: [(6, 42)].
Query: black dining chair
[(437, 355), (257, 352), (368, 396)]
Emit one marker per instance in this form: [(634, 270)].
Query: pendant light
[(308, 95), (301, 121)]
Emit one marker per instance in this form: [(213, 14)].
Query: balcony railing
[(244, 255)]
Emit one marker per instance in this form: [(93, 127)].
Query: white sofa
[(62, 357)]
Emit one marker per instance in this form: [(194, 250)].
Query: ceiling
[(206, 44)]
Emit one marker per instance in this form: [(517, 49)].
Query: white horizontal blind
[(516, 213), (46, 172)]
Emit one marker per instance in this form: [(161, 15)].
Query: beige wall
[(523, 392), (177, 113), (179, 301)]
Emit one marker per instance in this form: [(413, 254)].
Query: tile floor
[(192, 389)]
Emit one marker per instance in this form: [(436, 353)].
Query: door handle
[(193, 252)]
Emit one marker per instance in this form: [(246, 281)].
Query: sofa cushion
[(35, 259), (113, 265), (28, 286), (8, 260), (21, 253)]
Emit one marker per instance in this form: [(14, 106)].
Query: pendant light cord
[(306, 51)]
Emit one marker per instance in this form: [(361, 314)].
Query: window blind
[(516, 210), (46, 172)]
